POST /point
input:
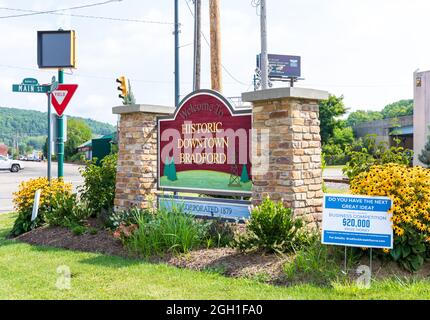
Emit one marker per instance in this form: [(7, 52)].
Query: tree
[(244, 177), (342, 136), (166, 168), (361, 116), (330, 110), (424, 157), (398, 109), (170, 169), (78, 132), (173, 176)]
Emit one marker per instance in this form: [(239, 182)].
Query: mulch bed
[(102, 242), (227, 261)]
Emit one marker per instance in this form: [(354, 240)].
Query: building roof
[(112, 136), (401, 131)]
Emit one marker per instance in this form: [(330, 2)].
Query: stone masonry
[(136, 180), (293, 174)]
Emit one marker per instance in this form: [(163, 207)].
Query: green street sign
[(30, 85)]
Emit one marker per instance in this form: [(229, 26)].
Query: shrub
[(24, 198), (98, 189), (66, 211), (166, 231), (125, 217), (409, 189), (273, 228), (219, 234), (79, 230), (365, 153), (334, 154), (316, 263)]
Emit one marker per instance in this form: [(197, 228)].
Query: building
[(98, 147), (421, 112), (388, 129)]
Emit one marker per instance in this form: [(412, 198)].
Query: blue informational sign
[(208, 207), (283, 66), (357, 221)]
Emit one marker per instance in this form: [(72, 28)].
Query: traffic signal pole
[(60, 137)]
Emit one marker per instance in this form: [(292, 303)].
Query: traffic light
[(123, 88)]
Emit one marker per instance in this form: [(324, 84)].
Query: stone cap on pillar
[(280, 93), (144, 108)]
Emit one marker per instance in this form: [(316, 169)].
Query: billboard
[(56, 49), (205, 147), (283, 66)]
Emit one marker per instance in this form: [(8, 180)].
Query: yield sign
[(62, 96)]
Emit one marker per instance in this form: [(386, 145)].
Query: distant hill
[(29, 123)]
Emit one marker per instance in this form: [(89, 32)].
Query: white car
[(11, 165)]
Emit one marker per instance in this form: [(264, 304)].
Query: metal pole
[(264, 55), (345, 264), (60, 137), (177, 90), (49, 137), (197, 44)]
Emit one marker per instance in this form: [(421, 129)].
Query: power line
[(32, 12), (88, 16), (207, 42)]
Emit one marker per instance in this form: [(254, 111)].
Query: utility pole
[(216, 74), (176, 32), (60, 137), (197, 43), (264, 61)]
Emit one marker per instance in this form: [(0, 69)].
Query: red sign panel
[(205, 146), (62, 96)]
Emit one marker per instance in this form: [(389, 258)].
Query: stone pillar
[(290, 117), (136, 176)]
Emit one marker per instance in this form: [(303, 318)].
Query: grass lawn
[(335, 167), (30, 272), (203, 179)]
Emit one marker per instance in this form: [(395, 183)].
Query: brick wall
[(294, 172), (136, 180)]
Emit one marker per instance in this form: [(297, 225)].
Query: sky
[(365, 50)]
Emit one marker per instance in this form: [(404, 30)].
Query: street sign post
[(30, 85)]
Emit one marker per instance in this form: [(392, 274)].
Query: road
[(9, 182)]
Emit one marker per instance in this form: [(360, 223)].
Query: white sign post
[(36, 205), (357, 221)]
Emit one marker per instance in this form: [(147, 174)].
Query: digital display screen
[(56, 49)]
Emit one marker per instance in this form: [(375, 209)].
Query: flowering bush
[(123, 232), (23, 201), (409, 189)]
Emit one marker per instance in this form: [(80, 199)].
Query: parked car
[(33, 157), (11, 165)]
